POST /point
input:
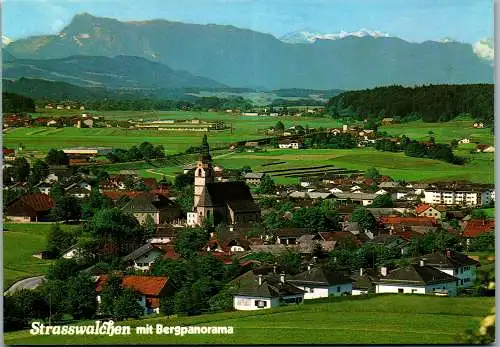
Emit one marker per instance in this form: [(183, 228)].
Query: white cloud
[(57, 25), (484, 49)]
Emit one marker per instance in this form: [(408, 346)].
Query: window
[(413, 291), (260, 303), (338, 289), (400, 290)]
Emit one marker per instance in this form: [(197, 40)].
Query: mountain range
[(239, 57)]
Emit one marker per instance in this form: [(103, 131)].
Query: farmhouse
[(150, 289), (417, 279), (254, 177), (482, 148), (319, 282), (386, 121), (363, 281), (426, 210), (357, 198), (30, 208), (141, 207), (293, 144), (143, 257), (454, 264), (464, 141), (255, 291)]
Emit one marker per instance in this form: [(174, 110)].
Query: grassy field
[(20, 242), (244, 128), (442, 132), (383, 319)]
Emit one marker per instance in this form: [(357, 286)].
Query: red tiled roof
[(114, 195), (150, 182), (8, 151), (476, 227), (38, 202), (146, 285), (408, 220), (422, 208)]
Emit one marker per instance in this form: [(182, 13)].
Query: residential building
[(150, 289), (417, 279), (256, 291), (426, 210), (141, 207), (290, 144), (466, 195), (30, 208), (455, 264), (143, 257), (320, 282), (254, 177), (363, 281)]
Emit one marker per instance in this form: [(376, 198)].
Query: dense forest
[(13, 103), (430, 103)]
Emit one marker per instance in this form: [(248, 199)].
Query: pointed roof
[(448, 259), (270, 287), (140, 203), (235, 194)]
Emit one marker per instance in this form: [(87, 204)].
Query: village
[(282, 243)]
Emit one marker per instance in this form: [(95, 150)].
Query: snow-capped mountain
[(310, 37), (484, 49), (5, 40)]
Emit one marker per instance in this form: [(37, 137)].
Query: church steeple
[(203, 173)]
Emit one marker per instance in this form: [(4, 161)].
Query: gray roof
[(236, 195), (139, 252), (355, 196), (448, 259), (254, 175), (270, 287), (140, 204), (417, 275), (310, 195), (320, 276), (389, 185)]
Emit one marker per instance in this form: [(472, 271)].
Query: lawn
[(20, 242), (383, 319), (442, 132)]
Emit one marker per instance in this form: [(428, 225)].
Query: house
[(141, 207), (44, 188), (229, 202), (426, 210), (71, 252), (363, 199), (287, 144), (143, 257), (387, 121), (289, 236), (58, 173), (417, 279), (255, 291), (78, 191), (229, 243), (30, 208), (151, 289), (164, 234), (455, 264), (363, 281), (464, 141), (320, 282), (310, 195), (392, 243), (389, 185), (476, 227), (9, 154), (254, 177), (482, 148), (459, 194), (478, 125)]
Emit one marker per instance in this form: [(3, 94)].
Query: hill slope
[(96, 71), (384, 319), (245, 58)]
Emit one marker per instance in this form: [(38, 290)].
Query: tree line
[(431, 103)]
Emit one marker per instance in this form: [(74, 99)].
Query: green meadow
[(20, 242), (382, 319)]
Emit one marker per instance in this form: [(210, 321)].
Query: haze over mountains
[(226, 55)]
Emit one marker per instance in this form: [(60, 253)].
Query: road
[(27, 283)]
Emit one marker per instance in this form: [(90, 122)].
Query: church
[(223, 202)]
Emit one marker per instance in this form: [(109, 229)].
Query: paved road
[(27, 283)]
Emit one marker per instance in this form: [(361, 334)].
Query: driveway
[(27, 283)]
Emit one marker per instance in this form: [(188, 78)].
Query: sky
[(412, 20)]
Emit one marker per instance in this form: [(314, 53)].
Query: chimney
[(282, 277), (260, 280), (383, 271), (361, 271), (422, 262)]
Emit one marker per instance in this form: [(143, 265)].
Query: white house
[(464, 141), (70, 253), (468, 196), (192, 219), (256, 291), (417, 279), (455, 264), (289, 144), (143, 257), (318, 282)]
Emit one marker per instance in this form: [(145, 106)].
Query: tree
[(267, 185), (110, 292), (66, 208), (290, 262), (183, 180), (56, 157), (186, 199), (20, 169), (221, 302), (81, 297), (204, 148), (483, 243), (39, 171), (279, 127), (63, 269), (149, 226), (96, 202), (59, 240), (189, 241), (364, 218), (126, 305), (372, 173), (383, 200)]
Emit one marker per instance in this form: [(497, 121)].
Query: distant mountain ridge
[(117, 72), (244, 58)]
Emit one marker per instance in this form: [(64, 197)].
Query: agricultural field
[(442, 132), (20, 242), (243, 128), (382, 319)]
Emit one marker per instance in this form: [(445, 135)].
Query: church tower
[(204, 172)]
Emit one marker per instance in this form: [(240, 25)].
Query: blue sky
[(412, 20)]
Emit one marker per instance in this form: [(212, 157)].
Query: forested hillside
[(17, 103), (430, 103)]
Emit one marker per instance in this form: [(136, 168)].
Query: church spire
[(205, 156)]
